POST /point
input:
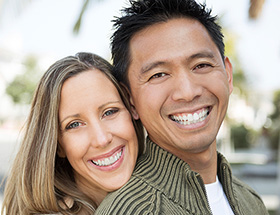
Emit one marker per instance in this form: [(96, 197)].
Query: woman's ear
[(60, 151), (131, 103)]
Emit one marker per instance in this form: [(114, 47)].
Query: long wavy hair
[(40, 181)]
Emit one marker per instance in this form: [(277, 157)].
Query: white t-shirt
[(217, 199)]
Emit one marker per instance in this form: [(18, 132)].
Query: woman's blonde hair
[(40, 180)]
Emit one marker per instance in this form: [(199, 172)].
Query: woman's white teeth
[(108, 161), (187, 119)]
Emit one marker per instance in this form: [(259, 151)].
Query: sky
[(44, 28)]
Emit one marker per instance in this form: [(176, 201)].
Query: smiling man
[(170, 56)]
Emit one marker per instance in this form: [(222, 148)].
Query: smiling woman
[(80, 141)]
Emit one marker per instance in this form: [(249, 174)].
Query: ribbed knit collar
[(174, 177)]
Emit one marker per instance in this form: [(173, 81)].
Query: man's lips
[(108, 160), (191, 118)]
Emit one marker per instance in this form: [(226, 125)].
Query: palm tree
[(19, 5), (255, 9), (77, 25)]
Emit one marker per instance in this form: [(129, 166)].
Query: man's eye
[(73, 125), (110, 112), (203, 65), (157, 75)]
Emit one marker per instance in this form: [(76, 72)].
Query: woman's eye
[(110, 112), (73, 125)]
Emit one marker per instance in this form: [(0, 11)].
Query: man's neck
[(205, 163)]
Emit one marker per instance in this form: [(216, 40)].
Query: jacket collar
[(174, 177)]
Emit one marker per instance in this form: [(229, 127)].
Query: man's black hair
[(144, 13)]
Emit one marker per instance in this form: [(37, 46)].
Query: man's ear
[(131, 103), (60, 151), (228, 68)]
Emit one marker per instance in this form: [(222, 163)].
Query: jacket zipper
[(204, 190), (229, 198)]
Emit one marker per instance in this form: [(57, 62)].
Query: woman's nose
[(100, 136)]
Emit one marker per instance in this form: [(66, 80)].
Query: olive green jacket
[(164, 184)]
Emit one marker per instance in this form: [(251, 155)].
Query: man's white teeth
[(187, 119), (108, 161)]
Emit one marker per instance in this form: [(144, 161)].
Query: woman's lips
[(109, 160)]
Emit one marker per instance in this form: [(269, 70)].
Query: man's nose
[(186, 87)]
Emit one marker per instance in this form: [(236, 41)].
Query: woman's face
[(97, 134)]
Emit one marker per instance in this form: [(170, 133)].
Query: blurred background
[(34, 34)]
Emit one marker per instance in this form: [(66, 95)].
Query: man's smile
[(191, 118)]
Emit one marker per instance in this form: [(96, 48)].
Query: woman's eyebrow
[(70, 116), (108, 103)]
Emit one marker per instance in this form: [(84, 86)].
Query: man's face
[(179, 85)]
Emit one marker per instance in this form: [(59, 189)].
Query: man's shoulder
[(135, 196), (248, 197), (242, 187)]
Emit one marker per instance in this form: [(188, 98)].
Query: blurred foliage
[(240, 135), (274, 128), (77, 25), (274, 136), (276, 101), (238, 132), (240, 80), (22, 87)]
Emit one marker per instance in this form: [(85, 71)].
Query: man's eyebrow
[(151, 66), (204, 54)]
